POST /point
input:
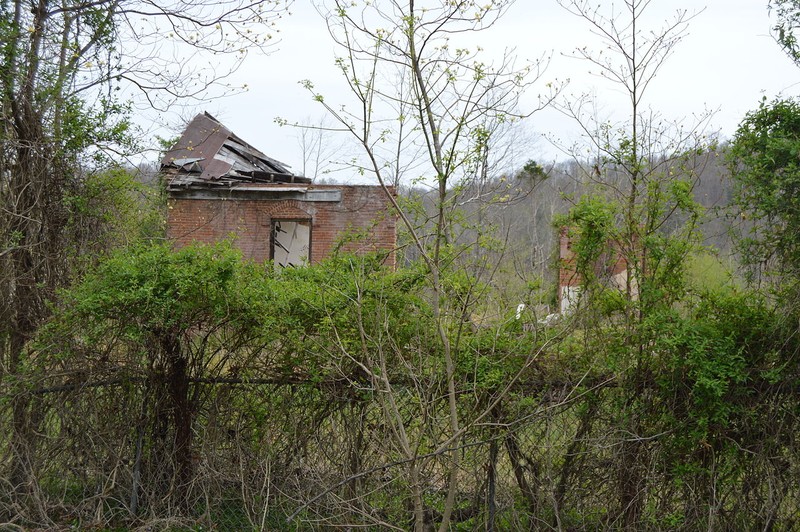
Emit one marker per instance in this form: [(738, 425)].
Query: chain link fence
[(311, 456)]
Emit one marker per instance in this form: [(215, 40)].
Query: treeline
[(520, 210)]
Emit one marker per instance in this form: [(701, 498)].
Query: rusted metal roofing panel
[(202, 138), (215, 168)]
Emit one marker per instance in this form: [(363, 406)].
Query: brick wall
[(569, 280), (611, 265), (362, 221)]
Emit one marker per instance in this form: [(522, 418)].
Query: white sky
[(727, 62)]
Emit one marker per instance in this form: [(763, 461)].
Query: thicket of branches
[(147, 387)]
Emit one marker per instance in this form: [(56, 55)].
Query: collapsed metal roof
[(208, 154)]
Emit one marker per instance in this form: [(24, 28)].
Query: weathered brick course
[(362, 221)]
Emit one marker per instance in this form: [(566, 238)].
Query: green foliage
[(788, 22), (112, 208), (766, 167), (89, 131), (592, 226), (139, 295), (709, 366), (706, 272), (492, 354), (696, 396), (610, 301), (714, 361), (532, 171)]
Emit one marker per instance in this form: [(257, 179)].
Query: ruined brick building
[(219, 186), (612, 269)]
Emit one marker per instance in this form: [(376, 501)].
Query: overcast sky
[(727, 62)]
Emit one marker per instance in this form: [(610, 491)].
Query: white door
[(291, 242)]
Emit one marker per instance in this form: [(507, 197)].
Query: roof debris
[(208, 154)]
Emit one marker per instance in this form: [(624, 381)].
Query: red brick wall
[(567, 273), (609, 264), (364, 213)]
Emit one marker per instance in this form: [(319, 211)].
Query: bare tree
[(320, 150), (643, 169), (426, 108)]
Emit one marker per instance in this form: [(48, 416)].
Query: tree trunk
[(181, 413), (517, 465)]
